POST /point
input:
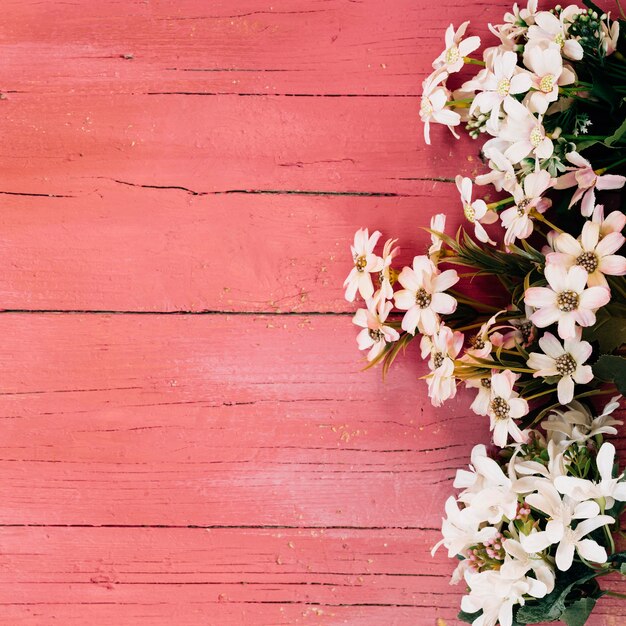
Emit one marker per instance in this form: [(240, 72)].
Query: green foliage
[(610, 328), (578, 613), (570, 587), (611, 369), (468, 618)]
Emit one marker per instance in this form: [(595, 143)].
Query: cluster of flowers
[(555, 334)]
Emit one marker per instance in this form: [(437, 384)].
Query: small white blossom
[(504, 408), (375, 334), (365, 263), (452, 58)]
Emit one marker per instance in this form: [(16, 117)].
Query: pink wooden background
[(186, 436)]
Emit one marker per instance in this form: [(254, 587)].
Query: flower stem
[(541, 218), (614, 594), (473, 303), (477, 61), (541, 393), (495, 205), (608, 167)]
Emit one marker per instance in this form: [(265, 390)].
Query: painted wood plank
[(235, 46), (323, 575), (131, 249)]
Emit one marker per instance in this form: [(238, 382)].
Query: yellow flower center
[(536, 136), (452, 55), (470, 213), (546, 84), (426, 108), (560, 40), (504, 86)]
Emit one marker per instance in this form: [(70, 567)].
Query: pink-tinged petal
[(566, 181), (377, 348), (501, 386), (366, 287), (584, 317), (429, 321), (615, 222), (447, 117), (520, 83), (576, 159), (594, 297), (539, 297), (576, 279), (508, 62), (551, 345), (391, 334), (610, 244), (545, 317), (567, 326), (610, 181), (427, 133), (544, 364), (583, 375), (405, 299), (565, 390), (557, 277), (605, 460), (351, 287), (445, 280), (467, 46), (360, 239), (565, 555), (409, 279), (597, 279), (500, 433), (580, 350), (591, 551), (518, 151), (566, 244), (613, 265), (443, 303), (518, 407), (578, 194), (373, 240), (360, 318), (590, 236), (588, 203), (573, 50), (364, 340), (411, 319), (545, 149)]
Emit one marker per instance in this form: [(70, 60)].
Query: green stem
[(541, 218), (541, 393), (473, 303), (608, 167), (495, 205), (471, 61), (614, 594)]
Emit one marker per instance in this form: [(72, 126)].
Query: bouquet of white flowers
[(533, 525)]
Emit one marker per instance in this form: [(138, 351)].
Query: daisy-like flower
[(387, 276), (498, 85), (613, 223), (443, 347), (516, 219), (521, 562), (607, 487), (423, 296), (375, 334), (501, 175), (438, 225), (504, 408), (548, 74), (567, 361), (365, 263), (476, 212), (452, 58), (558, 530), (583, 176), (596, 256), (433, 104), (577, 425), (566, 300), (481, 402), (549, 27), (525, 134), (522, 331)]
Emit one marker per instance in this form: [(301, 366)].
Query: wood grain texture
[(186, 435)]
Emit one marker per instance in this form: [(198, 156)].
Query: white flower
[(613, 223), (528, 471), (505, 407), (609, 36), (583, 176), (375, 334), (558, 529), (365, 263), (501, 175), (520, 562), (433, 104), (548, 74), (452, 58), (443, 348), (476, 211), (516, 219), (481, 402), (460, 530), (609, 488), (437, 224), (596, 256), (577, 425), (549, 27), (422, 297), (385, 276), (518, 21), (502, 80), (495, 596), (565, 361), (566, 300), (525, 134)]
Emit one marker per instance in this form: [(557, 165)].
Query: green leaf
[(469, 618), (552, 606), (611, 368), (617, 135), (578, 613), (609, 330)]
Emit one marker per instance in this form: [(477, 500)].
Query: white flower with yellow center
[(476, 212), (452, 58), (525, 134)]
